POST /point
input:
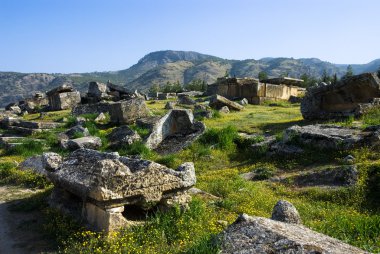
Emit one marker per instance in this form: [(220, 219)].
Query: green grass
[(27, 178), (350, 214)]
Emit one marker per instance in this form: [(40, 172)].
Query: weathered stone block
[(128, 111)]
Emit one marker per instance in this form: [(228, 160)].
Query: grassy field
[(350, 214)]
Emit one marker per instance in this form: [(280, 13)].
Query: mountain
[(183, 66)]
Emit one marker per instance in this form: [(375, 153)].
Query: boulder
[(174, 131), (123, 135), (332, 136), (101, 118), (243, 102), (105, 189), (63, 101), (51, 161), (33, 163), (90, 142), (64, 88), (186, 100), (217, 102), (346, 175), (97, 90), (128, 111), (76, 131), (41, 164), (224, 110), (286, 212), (250, 234), (94, 108)]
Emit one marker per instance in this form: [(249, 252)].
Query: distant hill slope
[(183, 66)]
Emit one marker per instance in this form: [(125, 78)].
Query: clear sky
[(104, 35)]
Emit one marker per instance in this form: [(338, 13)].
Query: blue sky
[(104, 35)]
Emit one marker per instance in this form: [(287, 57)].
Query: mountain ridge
[(164, 66)]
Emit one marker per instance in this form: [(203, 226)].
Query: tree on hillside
[(196, 85), (175, 87), (334, 79), (155, 88), (326, 77), (349, 72), (378, 72), (308, 80), (263, 75)]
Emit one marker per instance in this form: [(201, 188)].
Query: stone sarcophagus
[(351, 96), (109, 191), (63, 97)]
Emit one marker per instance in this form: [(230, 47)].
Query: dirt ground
[(18, 230)]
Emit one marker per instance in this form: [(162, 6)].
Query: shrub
[(372, 117), (220, 138), (137, 148)]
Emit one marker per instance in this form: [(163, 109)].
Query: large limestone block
[(106, 177), (128, 111), (250, 234), (218, 102)]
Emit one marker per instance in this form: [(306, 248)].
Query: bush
[(220, 138), (137, 148), (372, 117)]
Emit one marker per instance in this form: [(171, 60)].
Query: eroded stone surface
[(123, 135), (128, 111), (332, 137), (104, 188), (174, 131), (286, 212), (260, 235), (108, 176), (218, 102)]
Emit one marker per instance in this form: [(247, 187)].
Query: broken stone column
[(109, 191)]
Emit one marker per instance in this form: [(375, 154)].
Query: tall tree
[(349, 72), (263, 75)]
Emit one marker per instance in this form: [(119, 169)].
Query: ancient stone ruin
[(109, 191), (351, 96), (256, 91), (281, 234), (110, 92), (63, 97), (173, 132)]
